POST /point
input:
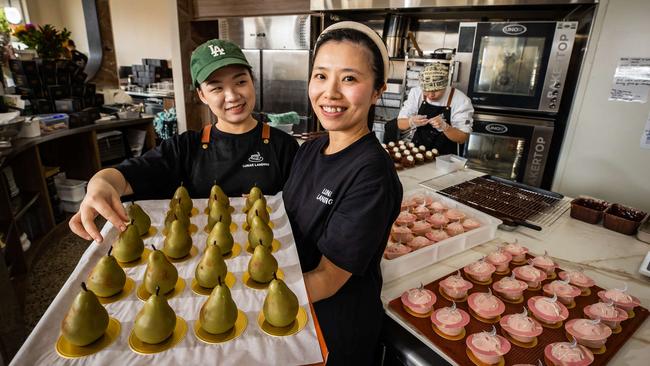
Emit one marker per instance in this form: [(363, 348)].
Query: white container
[(71, 190), (70, 206), (450, 163), (31, 128), (392, 269)]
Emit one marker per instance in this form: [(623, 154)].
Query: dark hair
[(250, 72), (377, 65)]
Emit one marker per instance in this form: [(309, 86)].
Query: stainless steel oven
[(512, 147), (515, 66)]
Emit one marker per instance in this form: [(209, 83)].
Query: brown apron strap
[(451, 96), (205, 137), (266, 132)]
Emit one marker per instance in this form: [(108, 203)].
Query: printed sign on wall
[(631, 80)]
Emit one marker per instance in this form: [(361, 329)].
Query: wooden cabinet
[(211, 9)]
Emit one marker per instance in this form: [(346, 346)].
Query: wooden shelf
[(22, 203)]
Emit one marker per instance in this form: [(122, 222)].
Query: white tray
[(392, 269)]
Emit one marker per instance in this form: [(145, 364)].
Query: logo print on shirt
[(256, 158), (325, 196), (216, 50)]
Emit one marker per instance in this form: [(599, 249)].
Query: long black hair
[(377, 64)]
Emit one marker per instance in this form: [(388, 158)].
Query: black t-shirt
[(342, 206), (236, 162)]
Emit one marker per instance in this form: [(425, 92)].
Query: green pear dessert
[(184, 196), (211, 267), (260, 234), (178, 241), (258, 210), (280, 305), (140, 218), (219, 312), (156, 320), (254, 195), (217, 194), (219, 212), (129, 245), (107, 278), (262, 265), (221, 235), (159, 273), (86, 321), (176, 213)]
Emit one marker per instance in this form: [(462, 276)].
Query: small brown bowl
[(623, 219), (587, 209)]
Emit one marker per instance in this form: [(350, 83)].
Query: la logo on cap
[(216, 50)]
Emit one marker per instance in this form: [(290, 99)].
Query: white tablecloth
[(254, 347)]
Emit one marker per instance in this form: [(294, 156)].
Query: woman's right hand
[(102, 198)]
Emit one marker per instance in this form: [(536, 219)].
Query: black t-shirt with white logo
[(342, 206), (235, 162)]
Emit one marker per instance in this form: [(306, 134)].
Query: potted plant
[(46, 40)]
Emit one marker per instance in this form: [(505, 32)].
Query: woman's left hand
[(438, 122)]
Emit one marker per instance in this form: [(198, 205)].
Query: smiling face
[(230, 94), (341, 88)]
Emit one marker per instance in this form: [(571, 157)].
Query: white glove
[(417, 121), (438, 122)]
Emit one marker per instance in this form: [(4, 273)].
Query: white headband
[(368, 32)]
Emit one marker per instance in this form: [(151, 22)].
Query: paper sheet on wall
[(645, 135), (631, 80)]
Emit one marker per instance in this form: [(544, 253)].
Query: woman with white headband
[(343, 193)]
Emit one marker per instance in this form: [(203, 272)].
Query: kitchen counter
[(608, 257)]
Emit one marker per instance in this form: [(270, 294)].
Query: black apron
[(430, 137)]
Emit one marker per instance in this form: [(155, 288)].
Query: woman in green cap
[(237, 152)]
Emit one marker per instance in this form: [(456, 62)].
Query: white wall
[(601, 156), (61, 14)]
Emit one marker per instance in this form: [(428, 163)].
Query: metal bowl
[(9, 130)]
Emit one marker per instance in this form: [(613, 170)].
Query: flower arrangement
[(48, 42)]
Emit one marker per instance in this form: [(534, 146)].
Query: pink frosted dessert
[(589, 333), (450, 320), (407, 205), (486, 305), (517, 252), (436, 235), (608, 314), (421, 212), (401, 234), (500, 259), (418, 198), (419, 300), (567, 354), (510, 288), (579, 279), (545, 263), (531, 275), (620, 298), (565, 292), (395, 250), (437, 207), (419, 242), (488, 347), (454, 214), (548, 310), (455, 286), (480, 270), (420, 228), (454, 228), (471, 224), (521, 327), (405, 219), (437, 220)]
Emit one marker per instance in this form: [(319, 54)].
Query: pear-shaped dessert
[(220, 234), (258, 209), (219, 312), (184, 196), (159, 273), (129, 245), (86, 321), (217, 194), (262, 265), (178, 241), (260, 234), (280, 305), (211, 267), (176, 213), (219, 212), (156, 320), (139, 218), (254, 195), (107, 278)]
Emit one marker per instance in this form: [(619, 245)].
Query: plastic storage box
[(70, 189), (52, 122), (450, 163)]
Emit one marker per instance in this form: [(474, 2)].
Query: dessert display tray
[(455, 350)]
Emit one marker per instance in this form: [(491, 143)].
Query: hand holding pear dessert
[(86, 321), (218, 212), (254, 195), (258, 209), (211, 268), (219, 312), (160, 273), (184, 196), (262, 265), (178, 241), (260, 234), (107, 278), (129, 246), (220, 234), (156, 320), (280, 305), (140, 218)]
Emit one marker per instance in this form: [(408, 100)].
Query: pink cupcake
[(401, 234), (420, 228), (454, 228), (500, 259), (455, 286), (545, 263), (548, 310), (437, 207), (450, 320), (578, 279), (608, 314), (567, 354), (437, 220), (521, 327), (454, 214), (407, 205), (510, 288), (480, 271), (419, 242), (517, 252), (470, 224), (589, 333), (486, 305), (531, 275), (421, 212), (436, 235), (418, 198), (488, 347), (620, 298), (418, 301), (565, 292), (405, 219), (395, 250)]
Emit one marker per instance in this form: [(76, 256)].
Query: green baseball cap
[(213, 55)]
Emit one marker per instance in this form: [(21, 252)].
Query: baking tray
[(455, 350)]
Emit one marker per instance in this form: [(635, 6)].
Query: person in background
[(237, 152), (435, 115), (343, 193)]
